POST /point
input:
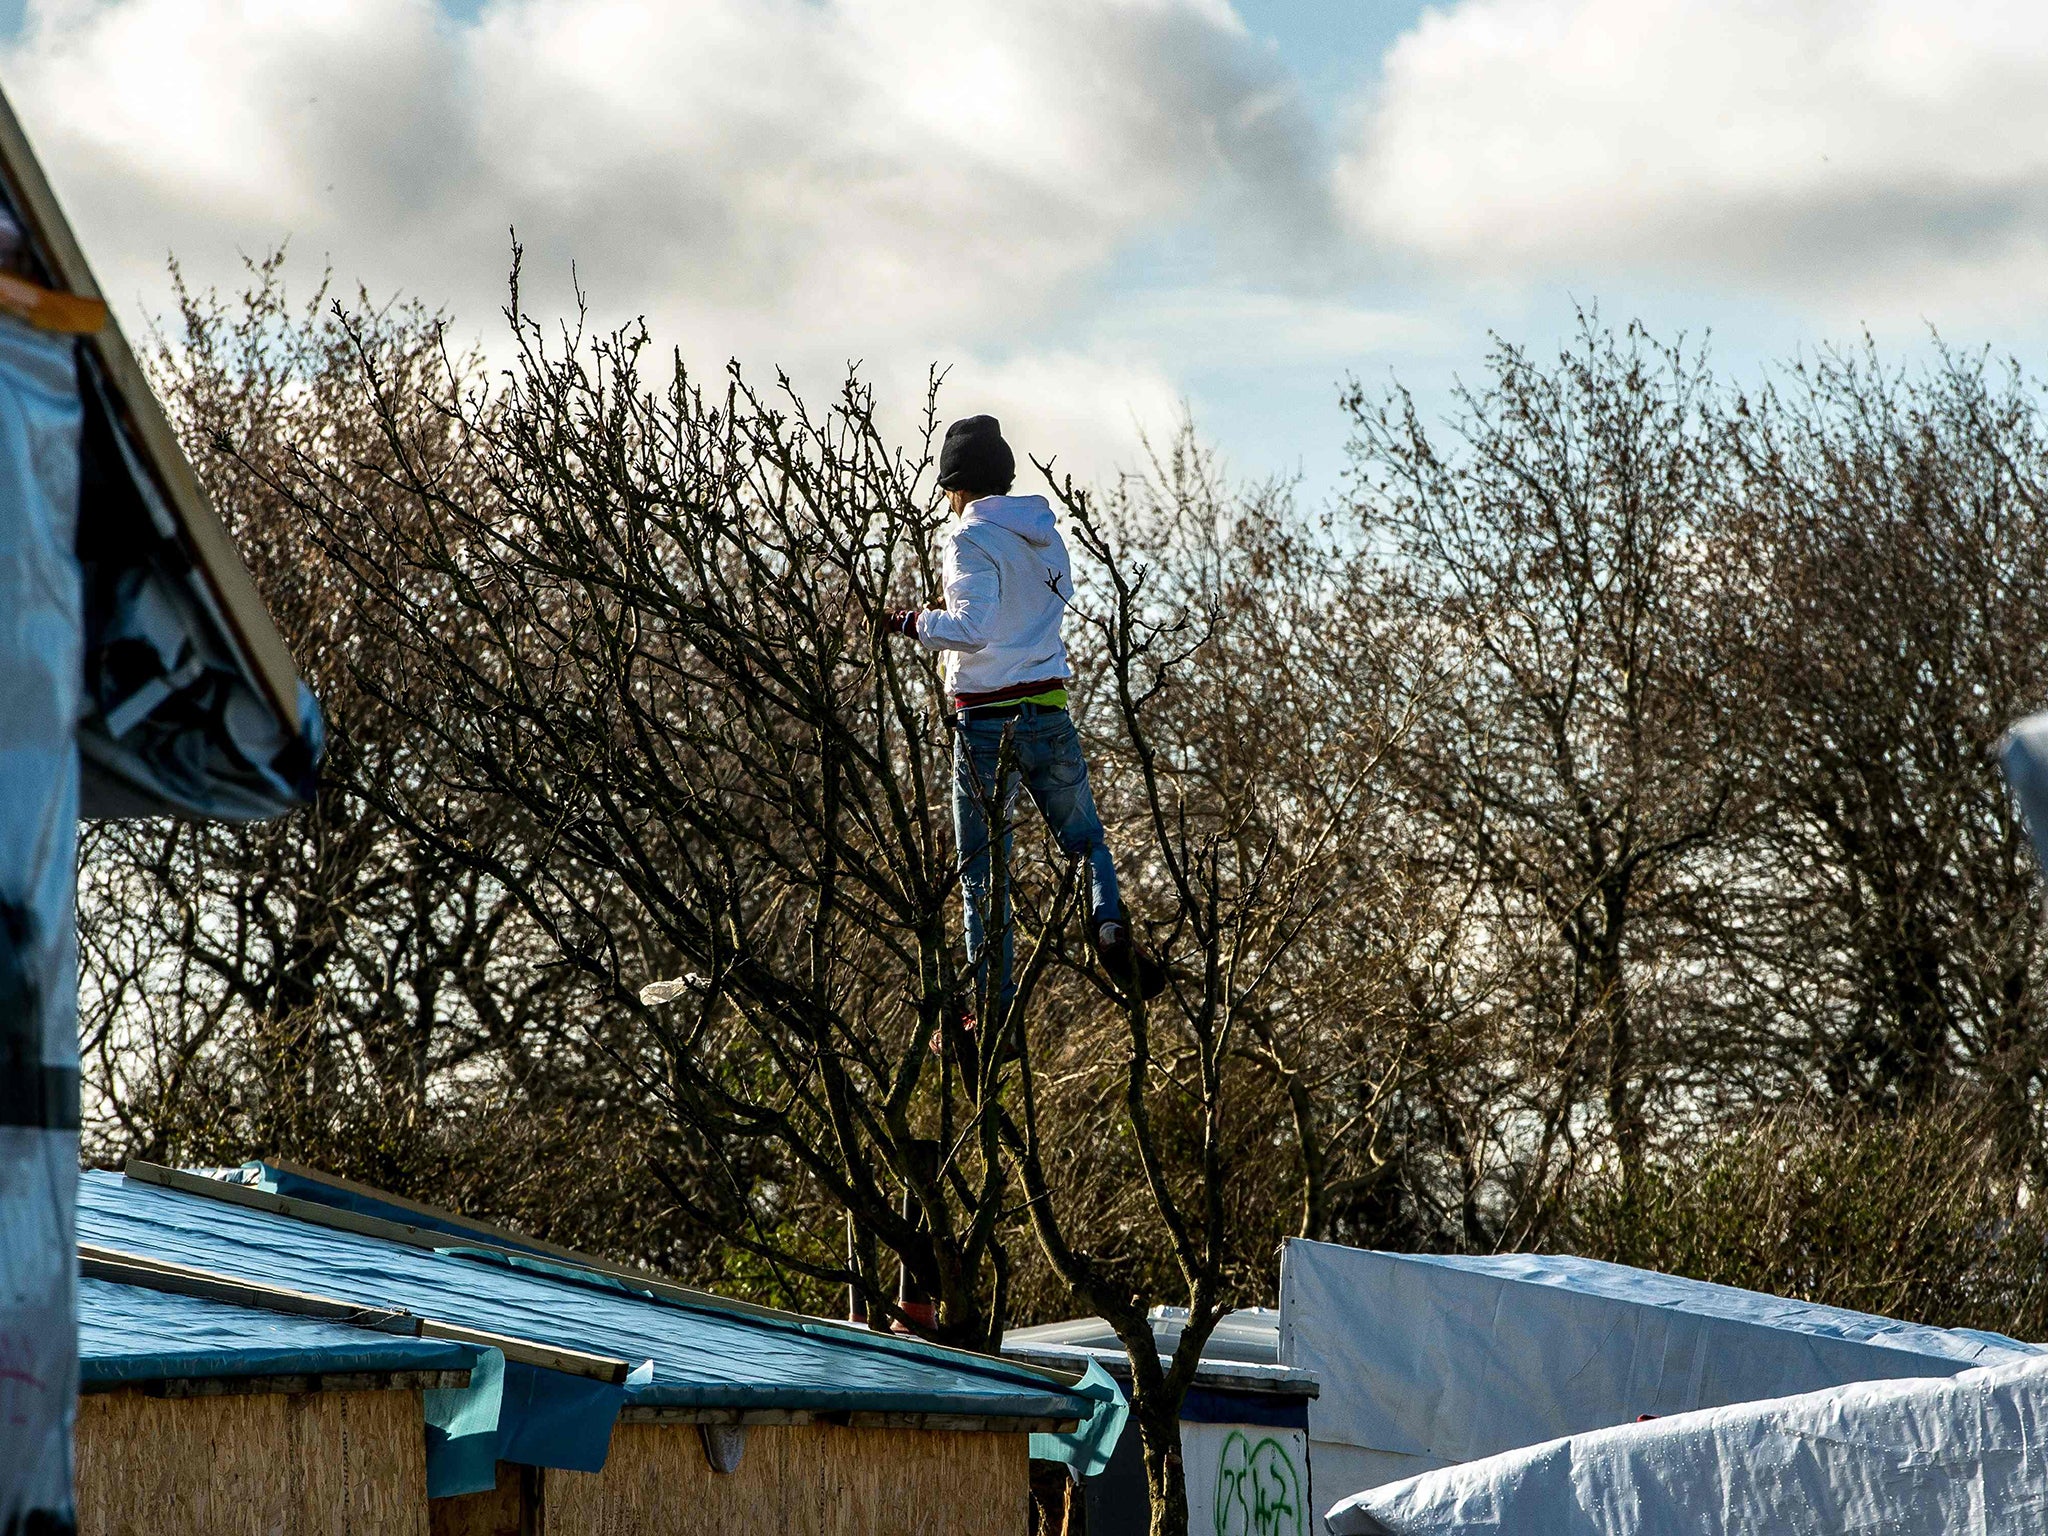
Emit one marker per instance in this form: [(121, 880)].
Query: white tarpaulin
[(1428, 1360), (1905, 1458)]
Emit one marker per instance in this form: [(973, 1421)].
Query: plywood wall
[(809, 1480), (277, 1464)]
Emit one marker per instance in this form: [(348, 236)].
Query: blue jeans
[(1048, 762)]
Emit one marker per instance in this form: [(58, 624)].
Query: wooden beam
[(957, 1421), (289, 1383), (319, 1215), (528, 1351), (637, 1413), (99, 1263), (212, 550), (573, 1362), (502, 1237), (641, 1413)]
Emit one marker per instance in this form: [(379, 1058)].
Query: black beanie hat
[(975, 457)]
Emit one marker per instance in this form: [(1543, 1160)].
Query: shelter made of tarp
[(682, 1354), (1915, 1457), (1427, 1360), (140, 674), (131, 1335)]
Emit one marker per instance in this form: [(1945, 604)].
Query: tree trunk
[(1166, 1486)]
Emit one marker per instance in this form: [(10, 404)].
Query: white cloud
[(792, 181), (1847, 153)]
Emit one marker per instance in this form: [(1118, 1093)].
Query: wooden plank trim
[(289, 1384), (654, 1414), (573, 1362), (527, 1351), (99, 1263), (955, 1421), (316, 1214), (490, 1234), (651, 1414)]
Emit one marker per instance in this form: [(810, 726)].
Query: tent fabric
[(1459, 1357), (690, 1356), (128, 1333), (40, 665), (1086, 1448), (462, 1430), (174, 720), (1908, 1458)]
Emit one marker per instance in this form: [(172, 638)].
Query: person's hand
[(902, 622)]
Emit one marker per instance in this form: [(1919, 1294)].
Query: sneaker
[(1132, 966)]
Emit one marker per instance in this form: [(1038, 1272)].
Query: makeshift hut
[(213, 1408), (609, 1401), (1243, 1433), (1428, 1360), (139, 675)]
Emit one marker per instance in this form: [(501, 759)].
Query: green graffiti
[(1258, 1490)]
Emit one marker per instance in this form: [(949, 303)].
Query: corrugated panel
[(129, 1334), (694, 1357)]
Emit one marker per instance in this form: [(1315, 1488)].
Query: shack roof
[(684, 1354), (130, 1335), (1241, 1355)]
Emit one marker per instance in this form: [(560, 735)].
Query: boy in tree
[(1008, 583)]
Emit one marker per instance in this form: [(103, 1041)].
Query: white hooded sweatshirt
[(1008, 584)]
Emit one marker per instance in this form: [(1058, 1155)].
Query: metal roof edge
[(1231, 1375)]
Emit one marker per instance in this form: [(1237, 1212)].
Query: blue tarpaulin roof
[(687, 1355), (128, 1333)]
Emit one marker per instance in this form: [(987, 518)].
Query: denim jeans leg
[(1056, 773), (976, 750)]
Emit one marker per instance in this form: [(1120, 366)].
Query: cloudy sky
[(1091, 210)]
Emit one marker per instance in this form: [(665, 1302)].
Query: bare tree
[(1887, 528), (1577, 769)]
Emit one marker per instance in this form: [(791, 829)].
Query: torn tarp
[(175, 720), (1087, 1447)]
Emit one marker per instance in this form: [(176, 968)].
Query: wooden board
[(317, 1464), (807, 1480), (513, 1508), (149, 431)]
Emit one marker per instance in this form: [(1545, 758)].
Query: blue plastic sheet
[(40, 661), (1086, 1448), (462, 1430), (298, 1186), (131, 1333), (683, 1355)]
